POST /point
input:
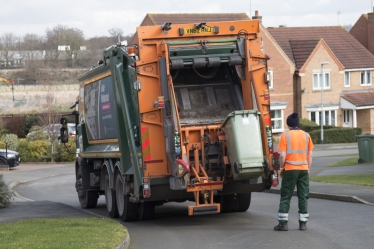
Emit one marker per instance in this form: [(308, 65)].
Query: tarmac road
[(173, 228), (333, 224)]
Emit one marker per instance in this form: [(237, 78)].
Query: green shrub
[(30, 121), (5, 194), (40, 150), (336, 135), (62, 154), (23, 150), (3, 131), (35, 151), (11, 140), (307, 125), (2, 145), (36, 133)]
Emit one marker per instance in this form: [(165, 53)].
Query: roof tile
[(360, 98), (345, 47), (301, 50)]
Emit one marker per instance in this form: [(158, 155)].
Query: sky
[(96, 17)]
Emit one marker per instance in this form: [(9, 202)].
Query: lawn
[(346, 162), (62, 233), (363, 180)]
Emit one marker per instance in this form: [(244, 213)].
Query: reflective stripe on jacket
[(296, 144), (301, 151)]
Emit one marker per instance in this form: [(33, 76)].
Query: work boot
[(302, 226), (281, 227)]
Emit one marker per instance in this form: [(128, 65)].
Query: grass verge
[(62, 233), (345, 162), (362, 180), (339, 155)]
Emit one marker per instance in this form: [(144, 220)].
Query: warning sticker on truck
[(146, 145)]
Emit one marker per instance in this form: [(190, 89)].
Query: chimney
[(256, 16), (371, 32)]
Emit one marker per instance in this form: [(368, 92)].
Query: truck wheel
[(127, 211), (146, 210), (110, 199), (87, 199), (227, 203), (242, 202)]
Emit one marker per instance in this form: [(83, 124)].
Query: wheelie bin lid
[(239, 112), (365, 135)]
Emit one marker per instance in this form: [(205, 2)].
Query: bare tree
[(73, 38), (31, 47), (50, 121), (7, 47), (62, 40), (114, 33)]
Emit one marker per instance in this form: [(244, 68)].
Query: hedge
[(336, 135)]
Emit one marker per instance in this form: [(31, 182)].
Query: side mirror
[(64, 135)]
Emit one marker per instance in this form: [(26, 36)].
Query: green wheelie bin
[(365, 148)]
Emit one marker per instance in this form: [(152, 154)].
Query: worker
[(295, 147)]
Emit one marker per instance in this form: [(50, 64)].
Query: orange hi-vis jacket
[(296, 143)]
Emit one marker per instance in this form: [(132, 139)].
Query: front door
[(347, 118)]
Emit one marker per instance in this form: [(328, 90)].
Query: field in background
[(37, 98)]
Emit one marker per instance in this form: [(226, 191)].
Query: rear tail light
[(146, 187)]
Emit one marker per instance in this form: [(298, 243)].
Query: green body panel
[(128, 148), (127, 108)]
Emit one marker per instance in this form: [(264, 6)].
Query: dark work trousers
[(292, 178)]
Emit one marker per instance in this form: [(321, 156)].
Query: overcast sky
[(96, 17)]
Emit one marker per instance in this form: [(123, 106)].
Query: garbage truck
[(182, 115)]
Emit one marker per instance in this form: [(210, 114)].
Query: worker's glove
[(281, 171)]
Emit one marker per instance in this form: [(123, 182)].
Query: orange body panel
[(153, 44)]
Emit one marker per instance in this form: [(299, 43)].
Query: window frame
[(367, 79), (317, 115), (278, 108), (345, 79), (325, 82)]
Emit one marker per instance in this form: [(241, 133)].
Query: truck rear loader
[(183, 115)]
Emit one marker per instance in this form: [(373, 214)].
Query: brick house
[(296, 57), (363, 31)]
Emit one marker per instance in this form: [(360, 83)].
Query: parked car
[(9, 157), (54, 130)]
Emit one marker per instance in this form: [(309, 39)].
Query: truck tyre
[(87, 199), (227, 203), (110, 199), (127, 211), (242, 202), (146, 210)]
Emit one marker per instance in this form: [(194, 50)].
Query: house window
[(365, 77), (271, 84), (318, 81), (347, 79), (277, 116), (277, 120), (328, 115)]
